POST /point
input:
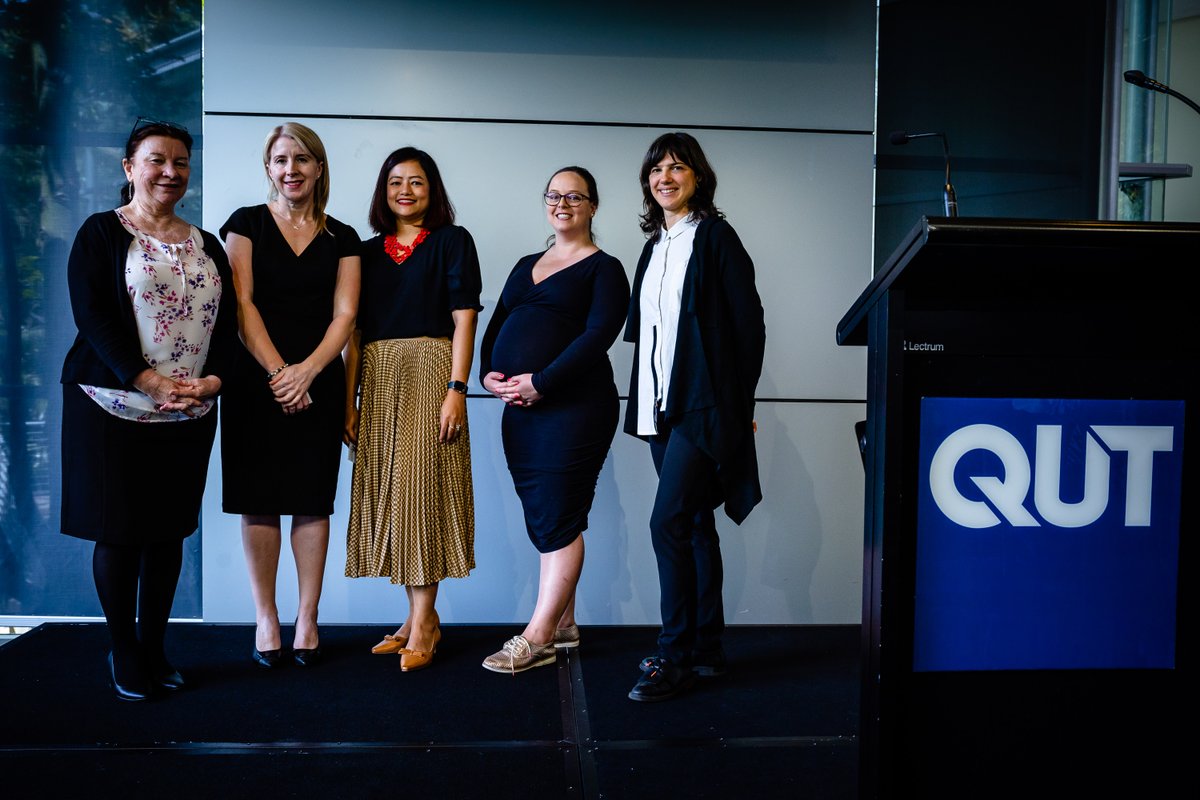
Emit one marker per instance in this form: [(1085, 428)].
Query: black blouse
[(403, 301)]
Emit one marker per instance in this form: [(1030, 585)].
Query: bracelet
[(271, 375)]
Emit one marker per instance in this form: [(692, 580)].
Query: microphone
[(949, 199), (1142, 80), (1139, 78)]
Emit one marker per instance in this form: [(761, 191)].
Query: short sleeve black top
[(416, 298), (293, 293)]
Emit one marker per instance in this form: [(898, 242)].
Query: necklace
[(401, 252), (285, 218)]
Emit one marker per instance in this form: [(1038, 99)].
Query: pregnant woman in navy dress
[(545, 354)]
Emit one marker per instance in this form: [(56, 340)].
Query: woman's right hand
[(290, 386), (165, 392), (498, 385), (350, 434)]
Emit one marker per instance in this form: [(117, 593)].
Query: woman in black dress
[(412, 503), (697, 325), (545, 354), (153, 299), (297, 275)]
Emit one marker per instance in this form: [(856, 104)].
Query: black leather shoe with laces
[(661, 680)]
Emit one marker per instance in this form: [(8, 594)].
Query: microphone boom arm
[(1144, 81), (949, 199)]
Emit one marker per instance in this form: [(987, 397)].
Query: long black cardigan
[(718, 360)]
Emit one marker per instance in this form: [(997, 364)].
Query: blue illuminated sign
[(1047, 534)]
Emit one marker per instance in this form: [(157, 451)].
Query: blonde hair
[(307, 138)]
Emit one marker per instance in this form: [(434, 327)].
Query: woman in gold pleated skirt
[(412, 514)]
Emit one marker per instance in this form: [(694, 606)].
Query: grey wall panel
[(799, 201), (795, 65), (796, 559)]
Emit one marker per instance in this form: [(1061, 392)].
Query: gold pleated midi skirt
[(412, 503)]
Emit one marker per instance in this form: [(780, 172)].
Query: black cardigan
[(718, 359), (107, 351)]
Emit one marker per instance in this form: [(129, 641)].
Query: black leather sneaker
[(661, 680)]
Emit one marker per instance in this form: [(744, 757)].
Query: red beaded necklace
[(401, 252)]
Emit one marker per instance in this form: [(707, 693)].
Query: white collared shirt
[(659, 305)]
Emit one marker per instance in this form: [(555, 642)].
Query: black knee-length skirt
[(128, 482)]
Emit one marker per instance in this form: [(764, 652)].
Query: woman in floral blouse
[(152, 296)]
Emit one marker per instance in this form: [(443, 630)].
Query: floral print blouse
[(175, 290)]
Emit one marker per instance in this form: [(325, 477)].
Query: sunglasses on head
[(146, 122)]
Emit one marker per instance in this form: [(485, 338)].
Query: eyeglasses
[(146, 122), (573, 198)]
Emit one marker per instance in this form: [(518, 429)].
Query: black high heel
[(306, 657), (268, 659), (126, 691), (167, 677)]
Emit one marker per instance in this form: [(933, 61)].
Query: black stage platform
[(783, 723)]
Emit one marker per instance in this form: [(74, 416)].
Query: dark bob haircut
[(685, 148), (143, 129), (440, 212)]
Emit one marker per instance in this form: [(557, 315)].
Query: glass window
[(1147, 40), (73, 77)]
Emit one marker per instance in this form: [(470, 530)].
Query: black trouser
[(684, 534)]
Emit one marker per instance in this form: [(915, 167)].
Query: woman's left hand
[(522, 389), (199, 389), (454, 416), (291, 385), (191, 393)]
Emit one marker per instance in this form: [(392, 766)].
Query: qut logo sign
[(1008, 493), (1047, 533)]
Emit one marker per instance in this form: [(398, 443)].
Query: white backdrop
[(794, 161)]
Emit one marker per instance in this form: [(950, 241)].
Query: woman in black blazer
[(696, 321), (152, 296)]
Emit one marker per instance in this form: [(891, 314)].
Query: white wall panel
[(495, 89), (799, 201), (796, 559)]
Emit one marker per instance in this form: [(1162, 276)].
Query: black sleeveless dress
[(274, 463)]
